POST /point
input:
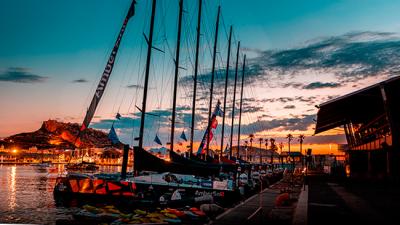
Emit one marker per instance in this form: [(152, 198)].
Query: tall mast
[(241, 101), (212, 81), (107, 73), (196, 64), (146, 78), (234, 99), (178, 45), (226, 90)]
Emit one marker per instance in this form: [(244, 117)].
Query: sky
[(300, 54)]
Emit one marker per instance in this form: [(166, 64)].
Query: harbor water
[(26, 195)]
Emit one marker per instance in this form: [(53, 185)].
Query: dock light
[(14, 151)]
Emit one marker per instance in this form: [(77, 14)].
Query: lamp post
[(261, 140), (245, 148), (266, 144)]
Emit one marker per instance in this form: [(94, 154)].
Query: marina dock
[(249, 211)]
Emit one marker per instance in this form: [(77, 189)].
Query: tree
[(281, 148), (301, 139), (251, 136), (273, 148), (290, 138), (246, 143)]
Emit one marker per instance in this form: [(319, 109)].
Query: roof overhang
[(357, 107)]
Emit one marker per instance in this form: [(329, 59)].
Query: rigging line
[(223, 25), (207, 29), (140, 78), (123, 82), (138, 58), (248, 115)]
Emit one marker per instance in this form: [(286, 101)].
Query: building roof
[(359, 106)]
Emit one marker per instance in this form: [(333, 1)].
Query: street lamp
[(245, 148), (261, 140)]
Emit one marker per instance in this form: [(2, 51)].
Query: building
[(371, 121)]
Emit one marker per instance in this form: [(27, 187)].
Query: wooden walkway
[(249, 211)]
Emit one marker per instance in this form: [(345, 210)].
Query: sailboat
[(43, 166), (193, 178)]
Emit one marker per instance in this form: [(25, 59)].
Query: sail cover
[(107, 72)]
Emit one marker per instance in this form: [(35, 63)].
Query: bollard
[(124, 161)]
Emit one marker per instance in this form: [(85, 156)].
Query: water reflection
[(13, 202), (26, 196)]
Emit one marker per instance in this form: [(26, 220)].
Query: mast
[(146, 79), (178, 45), (226, 89), (196, 64), (240, 109), (234, 99), (212, 81), (106, 74)]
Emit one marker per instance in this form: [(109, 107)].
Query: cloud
[(356, 54), (296, 123), (317, 85), (81, 80), (293, 84), (348, 57), (289, 107), (329, 62), (20, 75)]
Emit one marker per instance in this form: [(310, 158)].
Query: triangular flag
[(183, 136), (226, 149), (112, 135), (118, 116), (157, 140), (218, 111)]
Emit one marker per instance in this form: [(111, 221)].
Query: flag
[(157, 140), (218, 111), (112, 135), (118, 116), (183, 136), (226, 149), (131, 11), (214, 122), (213, 125)]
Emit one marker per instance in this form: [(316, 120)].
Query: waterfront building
[(370, 118)]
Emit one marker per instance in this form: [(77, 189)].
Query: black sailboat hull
[(70, 191), (144, 160)]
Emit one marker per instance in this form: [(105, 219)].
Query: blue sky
[(52, 54)]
